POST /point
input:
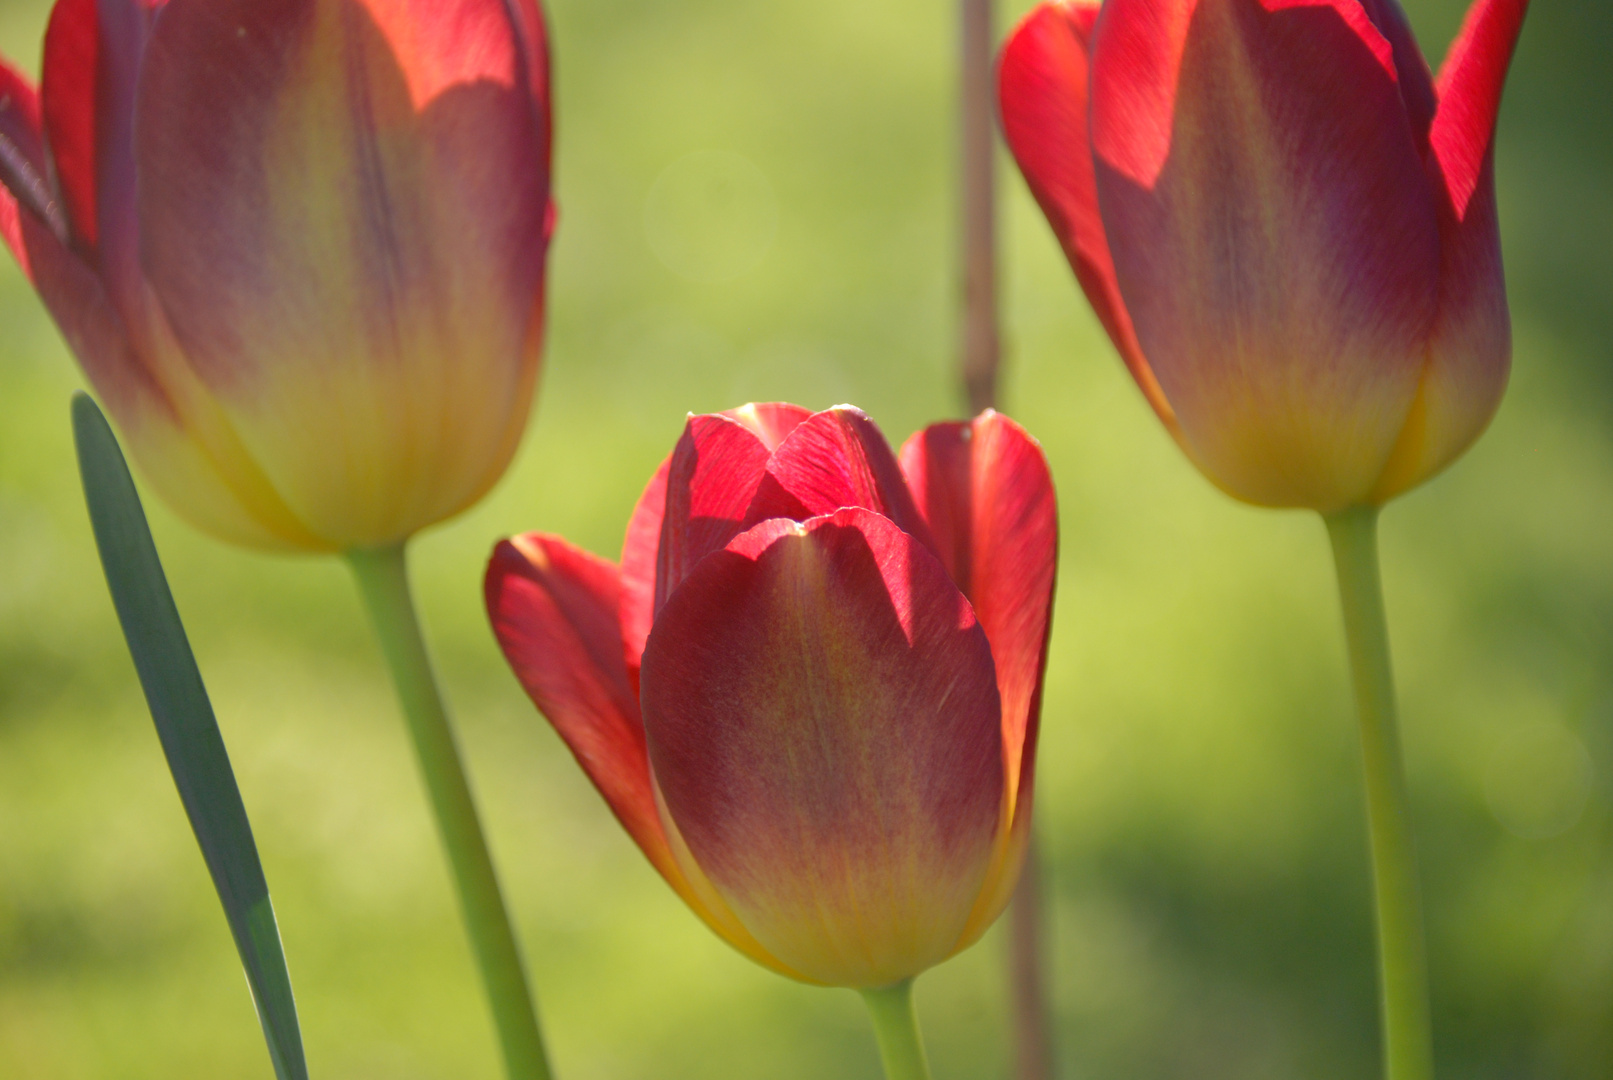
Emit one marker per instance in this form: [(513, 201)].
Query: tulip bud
[(1285, 224), (810, 689), (297, 245)]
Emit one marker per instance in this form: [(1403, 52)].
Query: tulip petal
[(837, 458), (1042, 92), (824, 726), (639, 557), (1273, 235), (533, 38), (187, 470), (718, 469), (24, 173), (1470, 351), (553, 610), (1411, 67), (77, 301), (22, 147), (69, 83), (1470, 83), (711, 479), (772, 421), (11, 226), (344, 207), (92, 60), (175, 432), (985, 489), (183, 448)]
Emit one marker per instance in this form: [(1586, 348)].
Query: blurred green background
[(757, 203)]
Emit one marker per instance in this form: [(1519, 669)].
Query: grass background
[(1198, 794)]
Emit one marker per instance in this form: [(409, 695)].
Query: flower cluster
[(299, 249)]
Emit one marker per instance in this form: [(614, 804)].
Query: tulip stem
[(383, 580), (1402, 963), (896, 1026)]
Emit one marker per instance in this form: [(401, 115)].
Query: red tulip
[(810, 689), (1285, 223), (297, 246)]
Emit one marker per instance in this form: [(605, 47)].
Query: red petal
[(837, 458), (714, 448), (11, 227), (392, 123), (711, 479), (344, 207), (155, 418), (1273, 235), (772, 421), (985, 489), (639, 550), (24, 175), (1470, 85), (824, 726), (78, 301), (1470, 351), (93, 55), (1042, 90), (1411, 67), (21, 141), (71, 83), (553, 609), (1144, 41), (717, 471), (533, 36)]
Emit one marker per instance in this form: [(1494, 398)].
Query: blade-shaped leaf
[(189, 732)]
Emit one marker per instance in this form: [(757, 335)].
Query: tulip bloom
[(298, 247), (1284, 222), (810, 689)]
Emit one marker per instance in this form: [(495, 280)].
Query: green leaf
[(188, 730)]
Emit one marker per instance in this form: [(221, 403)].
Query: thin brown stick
[(981, 348), (979, 359), (1033, 1037)]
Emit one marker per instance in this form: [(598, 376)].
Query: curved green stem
[(896, 1026), (383, 581), (1402, 964)]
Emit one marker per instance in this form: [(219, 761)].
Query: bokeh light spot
[(1538, 780)]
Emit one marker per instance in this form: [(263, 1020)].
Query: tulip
[(809, 691), (1284, 222), (1288, 228), (298, 247)]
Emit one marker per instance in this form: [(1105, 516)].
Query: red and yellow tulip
[(1286, 224), (810, 689), (297, 245)]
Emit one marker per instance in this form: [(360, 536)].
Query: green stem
[(383, 580), (896, 1025), (1402, 964)]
